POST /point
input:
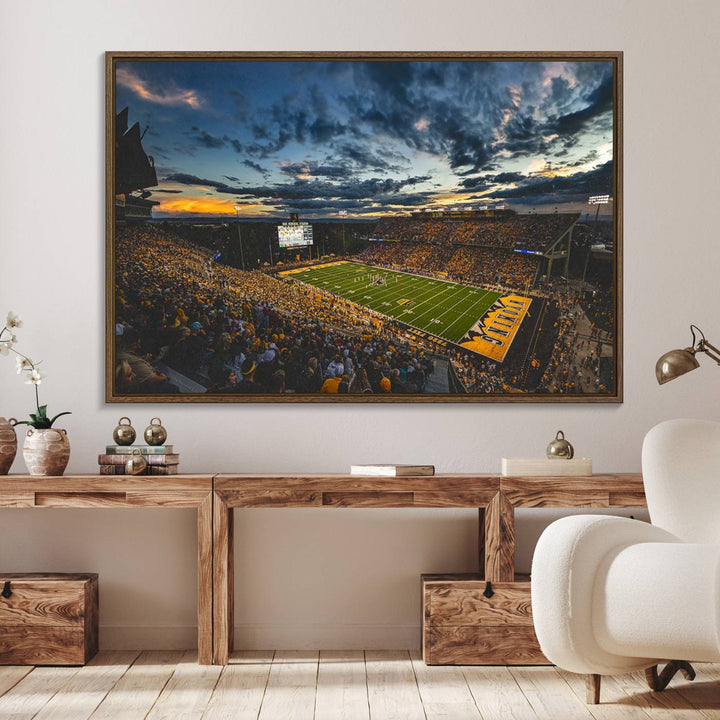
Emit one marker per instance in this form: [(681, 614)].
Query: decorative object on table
[(560, 448), (158, 459), (441, 212), (550, 466), (135, 464), (124, 433), (8, 444), (48, 618), (155, 433), (392, 470), (546, 467), (46, 449), (678, 362)]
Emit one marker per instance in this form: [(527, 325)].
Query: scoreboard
[(295, 234)]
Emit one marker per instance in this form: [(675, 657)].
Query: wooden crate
[(48, 618), (463, 627)]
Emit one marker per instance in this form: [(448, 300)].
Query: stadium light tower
[(242, 256), (597, 200)]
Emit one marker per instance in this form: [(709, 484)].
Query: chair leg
[(660, 682), (592, 689)]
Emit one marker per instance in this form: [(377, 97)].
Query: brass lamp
[(677, 362)]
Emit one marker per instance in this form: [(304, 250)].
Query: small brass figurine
[(155, 433), (124, 433), (560, 448), (136, 463)]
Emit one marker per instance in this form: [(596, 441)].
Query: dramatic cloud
[(371, 136), (169, 95)]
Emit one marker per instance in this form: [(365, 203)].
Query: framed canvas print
[(364, 227)]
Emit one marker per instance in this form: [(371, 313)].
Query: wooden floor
[(370, 685)]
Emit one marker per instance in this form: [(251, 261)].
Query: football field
[(442, 308)]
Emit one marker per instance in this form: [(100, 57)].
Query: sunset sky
[(371, 138)]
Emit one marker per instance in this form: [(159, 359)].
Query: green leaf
[(42, 411), (67, 412)]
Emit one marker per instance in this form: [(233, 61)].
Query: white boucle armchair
[(613, 595)]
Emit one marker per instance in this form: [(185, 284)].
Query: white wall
[(330, 578)]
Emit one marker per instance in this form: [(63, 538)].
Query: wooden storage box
[(461, 626), (48, 618)]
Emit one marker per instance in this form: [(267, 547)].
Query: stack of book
[(160, 459)]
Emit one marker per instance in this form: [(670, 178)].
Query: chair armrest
[(565, 563)]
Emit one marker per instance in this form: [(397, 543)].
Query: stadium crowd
[(475, 265), (530, 232), (246, 332)]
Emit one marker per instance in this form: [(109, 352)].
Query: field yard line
[(405, 272), (464, 297), (447, 329), (442, 292), (421, 298), (408, 283)]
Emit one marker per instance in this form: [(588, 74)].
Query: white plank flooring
[(346, 685)]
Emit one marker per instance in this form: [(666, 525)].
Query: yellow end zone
[(493, 334)]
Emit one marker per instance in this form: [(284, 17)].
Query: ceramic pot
[(46, 452), (8, 444)]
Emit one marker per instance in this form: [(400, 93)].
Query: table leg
[(499, 540), (223, 581), (481, 541), (205, 580)]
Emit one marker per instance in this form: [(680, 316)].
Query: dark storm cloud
[(599, 103), (508, 177), (205, 139), (231, 178), (316, 170), (351, 189), (485, 181), (571, 188), (253, 166), (165, 190)]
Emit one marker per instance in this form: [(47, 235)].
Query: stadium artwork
[(364, 227)]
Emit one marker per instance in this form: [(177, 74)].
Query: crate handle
[(6, 592), (488, 592)]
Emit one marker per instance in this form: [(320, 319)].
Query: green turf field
[(442, 308)]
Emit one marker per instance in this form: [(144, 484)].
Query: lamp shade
[(675, 363)]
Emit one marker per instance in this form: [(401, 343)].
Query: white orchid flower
[(5, 346), (13, 320), (35, 377), (23, 364)]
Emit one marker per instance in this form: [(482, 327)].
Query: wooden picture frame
[(429, 227)]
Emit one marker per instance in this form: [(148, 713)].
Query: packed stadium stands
[(530, 232), (179, 312)]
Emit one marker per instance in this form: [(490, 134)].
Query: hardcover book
[(144, 449), (150, 470), (172, 459), (392, 470)]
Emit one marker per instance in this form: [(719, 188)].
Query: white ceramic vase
[(47, 451)]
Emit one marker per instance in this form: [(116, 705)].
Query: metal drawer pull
[(6, 592), (488, 592)]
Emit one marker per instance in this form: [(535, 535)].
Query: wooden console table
[(215, 497), (495, 497), (92, 491)]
